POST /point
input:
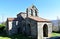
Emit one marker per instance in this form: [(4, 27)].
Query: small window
[(16, 22)]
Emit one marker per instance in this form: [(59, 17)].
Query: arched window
[(27, 10), (45, 30)]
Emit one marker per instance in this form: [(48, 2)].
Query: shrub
[(2, 27)]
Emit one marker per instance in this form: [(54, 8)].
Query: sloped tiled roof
[(38, 19), (12, 19)]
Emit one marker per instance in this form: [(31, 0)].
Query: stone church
[(30, 24)]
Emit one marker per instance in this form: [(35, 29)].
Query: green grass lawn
[(4, 38), (55, 34), (20, 36)]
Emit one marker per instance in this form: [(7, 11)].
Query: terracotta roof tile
[(12, 19), (38, 18)]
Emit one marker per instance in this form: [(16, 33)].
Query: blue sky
[(48, 9)]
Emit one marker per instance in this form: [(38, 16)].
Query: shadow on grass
[(57, 37), (56, 32), (17, 36)]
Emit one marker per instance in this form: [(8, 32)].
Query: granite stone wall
[(12, 27), (40, 30)]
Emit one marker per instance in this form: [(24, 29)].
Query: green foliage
[(2, 25), (2, 28)]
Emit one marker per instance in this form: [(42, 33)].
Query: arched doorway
[(45, 30)]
